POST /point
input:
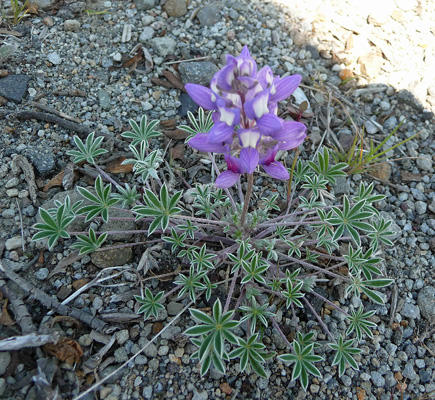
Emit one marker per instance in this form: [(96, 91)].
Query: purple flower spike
[(249, 159), (284, 87), (246, 121), (201, 95)]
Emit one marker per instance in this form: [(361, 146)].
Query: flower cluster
[(246, 127)]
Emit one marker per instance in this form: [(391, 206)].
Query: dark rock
[(197, 72), (209, 15), (314, 52), (427, 116), (42, 160), (408, 98), (187, 104), (14, 87)]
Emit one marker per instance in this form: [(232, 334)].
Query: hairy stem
[(230, 293), (247, 199)]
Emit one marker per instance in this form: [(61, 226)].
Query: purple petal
[(249, 159), (277, 170), (257, 106), (269, 157), (265, 77), (247, 82), (200, 142), (227, 179), (284, 87), (269, 124), (291, 135), (201, 95), (225, 77), (233, 163), (231, 116), (221, 132), (249, 137)]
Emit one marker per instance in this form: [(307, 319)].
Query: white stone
[(13, 243)]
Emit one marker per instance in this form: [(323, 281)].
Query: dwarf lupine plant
[(247, 253)]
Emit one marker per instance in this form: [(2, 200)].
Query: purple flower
[(245, 103)]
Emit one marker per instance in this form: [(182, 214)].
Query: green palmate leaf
[(143, 132), (176, 239), (358, 285), (150, 304), (350, 218), (270, 203), (214, 331), (359, 323), (301, 172), (127, 196), (293, 294), (210, 286), (88, 244), (191, 284), (243, 256), (315, 183), (102, 201), (159, 209), (255, 269), (381, 233), (344, 354), (251, 353), (144, 164), (255, 313), (87, 151), (358, 261), (201, 260), (304, 360), (201, 125), (322, 169), (189, 228), (53, 227)]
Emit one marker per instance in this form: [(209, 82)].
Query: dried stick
[(54, 119), (22, 316), (31, 340), (51, 110), (53, 304)]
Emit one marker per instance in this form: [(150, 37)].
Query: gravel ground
[(378, 59)]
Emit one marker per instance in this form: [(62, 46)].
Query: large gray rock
[(14, 87), (118, 225), (209, 15), (42, 159), (199, 72), (142, 5), (163, 46), (426, 302)]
